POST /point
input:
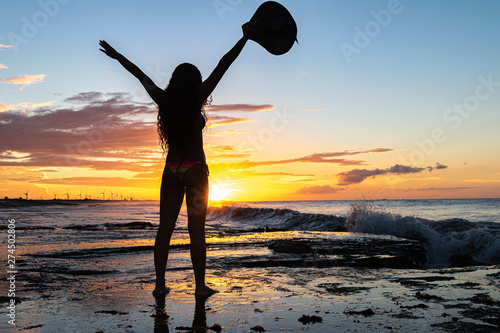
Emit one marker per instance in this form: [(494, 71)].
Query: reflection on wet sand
[(199, 320)]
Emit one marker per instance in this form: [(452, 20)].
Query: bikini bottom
[(180, 169)]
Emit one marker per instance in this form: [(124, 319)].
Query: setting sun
[(219, 192)]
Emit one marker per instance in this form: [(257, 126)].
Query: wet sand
[(263, 284)]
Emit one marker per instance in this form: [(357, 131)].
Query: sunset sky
[(379, 99)]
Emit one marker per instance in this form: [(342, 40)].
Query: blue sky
[(392, 93)]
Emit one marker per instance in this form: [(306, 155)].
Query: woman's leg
[(171, 195), (196, 182)]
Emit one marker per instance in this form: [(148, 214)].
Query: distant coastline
[(47, 202)]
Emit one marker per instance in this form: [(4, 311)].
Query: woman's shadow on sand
[(199, 320)]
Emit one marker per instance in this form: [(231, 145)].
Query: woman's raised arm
[(153, 90), (207, 87)]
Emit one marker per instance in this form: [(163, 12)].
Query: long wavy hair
[(180, 114)]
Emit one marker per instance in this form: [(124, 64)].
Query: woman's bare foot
[(161, 291), (205, 291)]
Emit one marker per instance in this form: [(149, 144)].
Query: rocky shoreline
[(319, 281)]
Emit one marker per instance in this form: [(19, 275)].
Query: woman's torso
[(187, 147), (190, 151)]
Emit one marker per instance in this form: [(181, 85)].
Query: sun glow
[(219, 192)]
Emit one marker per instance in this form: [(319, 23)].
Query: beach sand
[(274, 287)]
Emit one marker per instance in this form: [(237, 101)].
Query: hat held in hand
[(275, 28)]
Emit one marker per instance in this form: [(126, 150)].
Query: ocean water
[(87, 266), (465, 227), (474, 210)]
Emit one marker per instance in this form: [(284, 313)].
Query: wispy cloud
[(6, 107), (313, 110), (2, 66), (358, 175), (379, 150), (319, 189), (22, 107), (224, 120), (239, 107), (482, 181), (227, 132), (437, 167), (441, 189), (225, 151), (229, 120), (25, 80), (235, 132), (4, 46), (328, 157), (255, 173)]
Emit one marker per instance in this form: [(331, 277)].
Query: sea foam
[(448, 243), (444, 241)]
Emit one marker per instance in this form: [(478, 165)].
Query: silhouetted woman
[(180, 123)]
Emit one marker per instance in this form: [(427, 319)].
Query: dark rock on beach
[(340, 289), (428, 297), (367, 312), (290, 246), (484, 299), (112, 312), (305, 319), (369, 251)]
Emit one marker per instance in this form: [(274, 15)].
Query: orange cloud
[(223, 120), (227, 120), (380, 150), (236, 132), (239, 107), (224, 151), (223, 148), (100, 134), (5, 107), (484, 181), (441, 189), (23, 106), (320, 189), (3, 46), (25, 80), (329, 157), (255, 173), (36, 105), (2, 66)]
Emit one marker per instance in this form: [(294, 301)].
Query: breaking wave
[(277, 219), (453, 242)]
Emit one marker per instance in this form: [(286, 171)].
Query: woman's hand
[(248, 27), (108, 49)]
